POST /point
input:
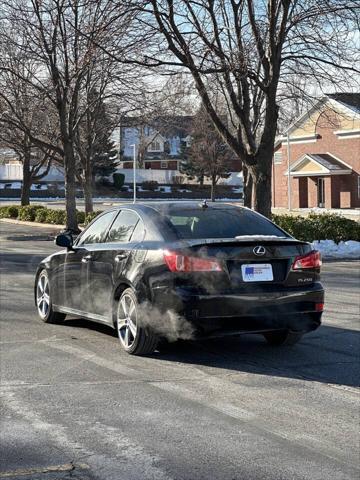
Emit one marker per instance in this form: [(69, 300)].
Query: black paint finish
[(88, 278)]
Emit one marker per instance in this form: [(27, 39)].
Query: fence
[(13, 172), (167, 176)]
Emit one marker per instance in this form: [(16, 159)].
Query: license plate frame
[(257, 272)]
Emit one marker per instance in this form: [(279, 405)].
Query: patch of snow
[(165, 189), (13, 185), (329, 249), (38, 186), (259, 237)]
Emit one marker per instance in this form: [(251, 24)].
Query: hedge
[(28, 213), (324, 226), (119, 179), (39, 214), (11, 211)]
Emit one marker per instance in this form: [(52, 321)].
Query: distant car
[(219, 269)]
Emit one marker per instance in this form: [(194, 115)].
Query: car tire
[(134, 337), (286, 337), (43, 300)]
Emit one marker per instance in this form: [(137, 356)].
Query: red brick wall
[(347, 150)]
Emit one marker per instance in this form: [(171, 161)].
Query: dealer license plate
[(257, 272)]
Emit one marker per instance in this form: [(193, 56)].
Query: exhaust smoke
[(167, 324)]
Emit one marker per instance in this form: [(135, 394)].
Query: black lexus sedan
[(183, 270)]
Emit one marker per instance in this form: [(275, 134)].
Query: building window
[(163, 164), (278, 157), (155, 146)]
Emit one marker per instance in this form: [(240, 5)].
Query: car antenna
[(204, 204)]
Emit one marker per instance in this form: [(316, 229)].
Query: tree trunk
[(248, 187), (87, 186), (213, 185), (262, 192), (26, 183), (25, 190), (70, 188)]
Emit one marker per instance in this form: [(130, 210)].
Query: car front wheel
[(134, 337), (43, 300), (283, 338)]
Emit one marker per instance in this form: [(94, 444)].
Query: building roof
[(350, 100), (168, 126), (328, 161), (319, 164)]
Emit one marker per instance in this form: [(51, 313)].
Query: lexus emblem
[(259, 250)]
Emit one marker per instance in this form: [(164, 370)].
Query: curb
[(31, 224)]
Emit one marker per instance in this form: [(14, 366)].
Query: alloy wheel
[(127, 321), (43, 296)]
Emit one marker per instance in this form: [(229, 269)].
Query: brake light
[(319, 307), (310, 260), (183, 263)]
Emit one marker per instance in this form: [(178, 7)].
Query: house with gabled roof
[(319, 156), (159, 143)]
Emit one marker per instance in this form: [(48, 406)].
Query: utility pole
[(289, 176), (134, 171)]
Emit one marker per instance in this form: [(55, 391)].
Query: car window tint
[(95, 233), (123, 227), (220, 223)]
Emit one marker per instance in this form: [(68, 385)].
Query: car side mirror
[(64, 240)]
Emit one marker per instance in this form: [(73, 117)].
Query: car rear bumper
[(294, 309)]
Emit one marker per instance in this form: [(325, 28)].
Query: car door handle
[(86, 258), (120, 257)]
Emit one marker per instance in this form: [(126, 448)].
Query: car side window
[(139, 232), (97, 230), (123, 227)]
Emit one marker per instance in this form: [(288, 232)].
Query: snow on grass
[(329, 249)]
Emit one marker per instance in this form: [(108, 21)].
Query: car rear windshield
[(220, 223)]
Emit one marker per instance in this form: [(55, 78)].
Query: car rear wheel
[(43, 301), (283, 338), (134, 337)]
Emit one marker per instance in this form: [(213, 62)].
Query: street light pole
[(134, 172), (289, 176)]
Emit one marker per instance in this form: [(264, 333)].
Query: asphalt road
[(74, 406)]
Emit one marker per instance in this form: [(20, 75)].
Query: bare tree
[(62, 38), (248, 52), (35, 162), (25, 118)]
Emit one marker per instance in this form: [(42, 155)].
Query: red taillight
[(182, 263), (310, 260), (319, 307)]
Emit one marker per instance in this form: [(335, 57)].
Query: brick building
[(324, 151)]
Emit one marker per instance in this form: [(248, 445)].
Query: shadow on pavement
[(329, 355)]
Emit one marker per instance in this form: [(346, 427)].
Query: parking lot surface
[(75, 406)]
